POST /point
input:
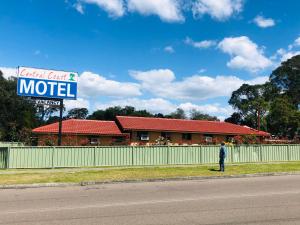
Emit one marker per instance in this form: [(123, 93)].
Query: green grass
[(120, 174)]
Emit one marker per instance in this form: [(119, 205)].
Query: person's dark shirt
[(222, 154)]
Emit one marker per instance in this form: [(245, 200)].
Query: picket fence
[(58, 157)]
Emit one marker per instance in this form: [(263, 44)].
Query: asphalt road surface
[(260, 200)]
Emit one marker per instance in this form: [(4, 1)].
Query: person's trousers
[(222, 165)]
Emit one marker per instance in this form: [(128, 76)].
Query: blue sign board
[(47, 83)]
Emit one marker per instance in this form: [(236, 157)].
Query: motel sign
[(51, 84)]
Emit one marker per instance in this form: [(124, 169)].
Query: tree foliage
[(284, 118), (111, 113), (77, 113), (17, 115), (287, 79), (235, 118), (277, 101), (178, 114), (251, 101), (197, 115)]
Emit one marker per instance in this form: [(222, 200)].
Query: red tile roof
[(179, 125), (74, 126)]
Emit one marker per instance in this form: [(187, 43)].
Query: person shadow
[(214, 170)]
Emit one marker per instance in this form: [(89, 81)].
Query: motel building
[(126, 130), (81, 133)]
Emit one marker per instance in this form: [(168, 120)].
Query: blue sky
[(153, 54)]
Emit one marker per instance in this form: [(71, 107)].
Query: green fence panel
[(178, 155), (3, 157), (190, 155), (249, 153), (113, 156), (37, 157), (194, 155), (73, 156), (272, 153), (294, 152), (53, 157), (150, 155), (211, 154)]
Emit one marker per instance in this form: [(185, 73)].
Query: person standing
[(222, 156)]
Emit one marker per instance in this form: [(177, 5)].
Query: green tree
[(16, 113), (283, 118), (235, 118), (178, 114), (197, 115), (111, 113), (287, 79), (77, 113), (52, 119), (45, 112), (252, 101)]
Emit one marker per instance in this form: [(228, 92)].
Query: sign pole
[(61, 108)]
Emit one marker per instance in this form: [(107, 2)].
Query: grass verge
[(122, 174)]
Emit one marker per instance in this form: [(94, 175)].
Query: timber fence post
[(6, 156), (52, 157), (232, 152), (261, 153), (288, 153), (132, 155), (168, 154), (201, 155), (94, 156)]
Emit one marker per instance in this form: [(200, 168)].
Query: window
[(143, 136), (187, 137), (166, 135), (94, 141), (208, 138), (120, 139)]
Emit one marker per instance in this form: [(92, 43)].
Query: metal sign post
[(61, 108)]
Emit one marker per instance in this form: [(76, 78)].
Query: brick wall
[(175, 138), (77, 140)]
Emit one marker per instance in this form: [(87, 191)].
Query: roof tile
[(180, 125), (75, 126)]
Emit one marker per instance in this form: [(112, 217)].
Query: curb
[(90, 183)]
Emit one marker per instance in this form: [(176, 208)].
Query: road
[(259, 200)]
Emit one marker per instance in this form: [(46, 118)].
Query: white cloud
[(153, 105), (37, 52), (202, 70), (200, 44), (264, 22), (152, 76), (160, 105), (285, 55), (79, 103), (162, 83), (9, 72), (94, 85), (211, 109), (78, 6), (244, 53), (167, 10), (115, 8), (169, 49), (217, 9), (297, 42)]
